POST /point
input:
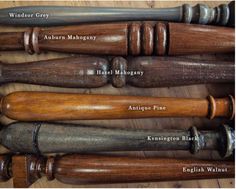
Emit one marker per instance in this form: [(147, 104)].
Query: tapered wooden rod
[(64, 15), (42, 106), (41, 138), (126, 38), (136, 71), (88, 169)]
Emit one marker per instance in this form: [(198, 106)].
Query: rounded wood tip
[(231, 21), (49, 168), (227, 141), (202, 14), (232, 110)]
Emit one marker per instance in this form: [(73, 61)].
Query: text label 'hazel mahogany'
[(41, 138), (80, 169), (147, 38), (45, 106), (65, 15), (136, 71)]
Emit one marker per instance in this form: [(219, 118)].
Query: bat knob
[(231, 21), (226, 144), (202, 14), (49, 170), (5, 167)]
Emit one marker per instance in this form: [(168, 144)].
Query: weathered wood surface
[(200, 13), (193, 91), (45, 138), (93, 72)]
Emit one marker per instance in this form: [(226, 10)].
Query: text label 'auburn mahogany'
[(126, 38), (45, 106), (79, 169), (136, 71)]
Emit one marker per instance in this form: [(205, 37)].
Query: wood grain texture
[(45, 106), (192, 91), (78, 169), (91, 72), (66, 72), (72, 169), (125, 38), (193, 40)]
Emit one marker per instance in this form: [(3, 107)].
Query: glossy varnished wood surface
[(193, 91), (190, 40), (77, 169), (45, 106), (123, 38), (83, 169)]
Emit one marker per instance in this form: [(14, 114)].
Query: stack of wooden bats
[(142, 48)]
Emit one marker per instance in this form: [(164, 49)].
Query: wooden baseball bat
[(126, 38), (41, 138), (46, 106), (66, 15), (89, 72), (88, 169)]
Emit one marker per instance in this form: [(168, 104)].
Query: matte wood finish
[(88, 72), (44, 106), (77, 169), (126, 38), (66, 72), (190, 91), (41, 138), (65, 15)]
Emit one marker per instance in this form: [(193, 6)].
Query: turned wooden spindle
[(88, 169), (42, 138), (89, 72), (40, 106), (64, 15), (127, 38)]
